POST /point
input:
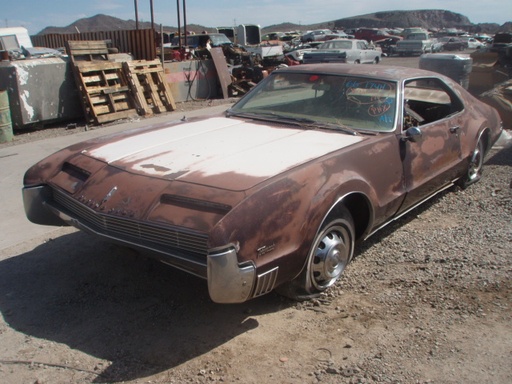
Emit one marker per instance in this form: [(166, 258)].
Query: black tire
[(475, 166), (330, 253)]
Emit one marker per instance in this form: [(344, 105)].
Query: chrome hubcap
[(332, 254), (476, 163)]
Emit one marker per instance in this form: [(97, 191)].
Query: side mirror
[(412, 134)]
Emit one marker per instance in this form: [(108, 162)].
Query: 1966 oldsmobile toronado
[(274, 193)]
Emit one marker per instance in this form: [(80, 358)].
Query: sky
[(35, 15)]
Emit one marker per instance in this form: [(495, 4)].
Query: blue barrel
[(5, 118)]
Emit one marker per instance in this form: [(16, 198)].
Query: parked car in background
[(316, 35), (314, 159), (484, 38), (436, 46), (475, 43), (296, 52), (344, 51), (200, 41), (275, 37), (407, 31), (388, 45), (453, 43), (416, 43), (373, 34), (322, 35)]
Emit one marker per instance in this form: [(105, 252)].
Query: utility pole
[(185, 21), (179, 23), (136, 15), (152, 15)]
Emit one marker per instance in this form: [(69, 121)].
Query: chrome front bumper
[(228, 281)]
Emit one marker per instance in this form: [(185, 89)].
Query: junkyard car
[(322, 35), (388, 45), (344, 51), (475, 44), (374, 34), (416, 43), (453, 44), (276, 192)]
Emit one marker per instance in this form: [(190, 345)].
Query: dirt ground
[(427, 300)]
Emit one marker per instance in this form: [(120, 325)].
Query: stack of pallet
[(117, 90)]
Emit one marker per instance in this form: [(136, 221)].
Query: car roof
[(383, 72)]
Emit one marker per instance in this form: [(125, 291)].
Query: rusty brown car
[(274, 193)]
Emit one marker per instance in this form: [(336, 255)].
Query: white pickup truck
[(416, 43)]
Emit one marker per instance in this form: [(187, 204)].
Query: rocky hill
[(403, 19), (432, 19)]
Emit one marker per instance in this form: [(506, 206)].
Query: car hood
[(219, 152)]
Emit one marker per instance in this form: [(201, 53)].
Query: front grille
[(158, 237)]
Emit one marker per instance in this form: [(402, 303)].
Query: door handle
[(455, 129)]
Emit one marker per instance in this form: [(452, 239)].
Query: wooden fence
[(140, 43)]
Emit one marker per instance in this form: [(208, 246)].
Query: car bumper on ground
[(228, 281)]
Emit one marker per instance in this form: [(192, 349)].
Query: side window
[(428, 100)]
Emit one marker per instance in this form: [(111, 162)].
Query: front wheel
[(475, 166), (330, 253)]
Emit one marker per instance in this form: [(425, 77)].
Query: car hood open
[(220, 152)]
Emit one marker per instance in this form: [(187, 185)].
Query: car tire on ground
[(475, 166), (330, 253)]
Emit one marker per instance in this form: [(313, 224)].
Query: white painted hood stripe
[(219, 150)]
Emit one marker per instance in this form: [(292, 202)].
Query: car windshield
[(336, 44), (323, 101), (219, 39)]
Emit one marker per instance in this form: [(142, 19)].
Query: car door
[(362, 51), (431, 150)]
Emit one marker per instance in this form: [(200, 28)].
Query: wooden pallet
[(151, 91), (106, 94)]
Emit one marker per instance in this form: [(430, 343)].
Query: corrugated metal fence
[(140, 43)]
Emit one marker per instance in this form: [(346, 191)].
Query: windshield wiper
[(272, 116), (303, 122), (337, 127)]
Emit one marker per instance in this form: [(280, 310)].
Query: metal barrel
[(5, 118)]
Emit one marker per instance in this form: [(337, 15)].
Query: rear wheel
[(475, 167), (330, 253)]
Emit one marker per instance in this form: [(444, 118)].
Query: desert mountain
[(432, 19)]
